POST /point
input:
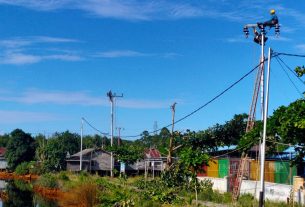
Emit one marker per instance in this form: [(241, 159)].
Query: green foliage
[(57, 149), (20, 148), (113, 195), (48, 180), (126, 153), (22, 168), (300, 71), (63, 176), (95, 141), (4, 139), (156, 190)]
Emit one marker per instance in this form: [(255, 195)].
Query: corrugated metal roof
[(152, 153), (2, 151)]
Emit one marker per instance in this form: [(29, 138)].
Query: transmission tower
[(155, 128)]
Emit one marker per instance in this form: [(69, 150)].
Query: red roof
[(152, 153), (2, 151)]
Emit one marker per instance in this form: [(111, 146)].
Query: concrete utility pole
[(263, 144), (170, 149), (81, 145), (111, 97), (260, 38)]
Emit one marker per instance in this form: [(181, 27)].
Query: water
[(18, 193)]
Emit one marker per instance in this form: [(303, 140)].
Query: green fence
[(223, 168), (284, 173)]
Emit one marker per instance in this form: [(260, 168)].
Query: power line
[(291, 70), (277, 58), (87, 122), (289, 54), (204, 105), (238, 149)]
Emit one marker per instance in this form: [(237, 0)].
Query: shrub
[(63, 176), (35, 168), (48, 180), (22, 169), (84, 194)]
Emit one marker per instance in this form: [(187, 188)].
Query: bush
[(63, 176), (35, 168), (246, 200), (22, 169), (48, 181), (84, 194)]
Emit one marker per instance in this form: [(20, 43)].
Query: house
[(152, 163), (3, 162), (93, 160)]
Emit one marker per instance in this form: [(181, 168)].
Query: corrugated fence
[(275, 171)]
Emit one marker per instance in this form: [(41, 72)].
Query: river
[(19, 193)]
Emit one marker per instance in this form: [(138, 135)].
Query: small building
[(3, 162), (93, 160), (152, 163)]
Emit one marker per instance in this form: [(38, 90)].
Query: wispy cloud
[(121, 53), (132, 53), (145, 10), (81, 98), (119, 9), (15, 117), (300, 47), (17, 51)]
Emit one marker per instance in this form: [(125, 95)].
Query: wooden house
[(93, 160), (3, 162)]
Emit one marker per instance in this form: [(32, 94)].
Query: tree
[(288, 122), (58, 148), (20, 148), (41, 143), (4, 140), (300, 71), (127, 154)]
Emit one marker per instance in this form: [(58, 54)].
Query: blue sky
[(58, 59)]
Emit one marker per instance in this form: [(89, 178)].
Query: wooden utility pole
[(119, 135), (170, 149)]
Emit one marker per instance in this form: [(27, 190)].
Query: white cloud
[(15, 117), (119, 9), (17, 51), (132, 53), (34, 96), (12, 58), (300, 47), (121, 53), (19, 59)]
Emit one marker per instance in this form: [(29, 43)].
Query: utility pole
[(170, 149), (263, 144), (81, 145), (111, 97), (260, 38), (119, 137)]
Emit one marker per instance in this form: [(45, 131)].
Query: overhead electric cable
[(87, 122), (289, 54), (238, 149), (277, 58), (204, 105), (292, 71)]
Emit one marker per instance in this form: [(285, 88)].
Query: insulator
[(246, 30), (277, 28)]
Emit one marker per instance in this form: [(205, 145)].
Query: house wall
[(273, 191), (3, 164)]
